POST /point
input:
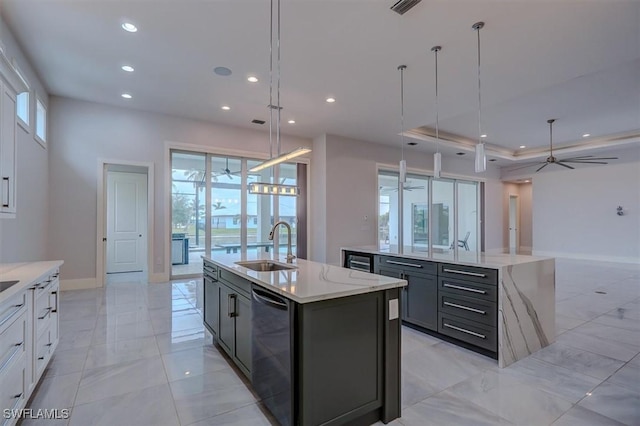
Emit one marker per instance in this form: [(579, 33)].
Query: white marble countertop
[(310, 281), (469, 258), (27, 274)]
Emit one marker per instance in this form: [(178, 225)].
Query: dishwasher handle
[(269, 300)]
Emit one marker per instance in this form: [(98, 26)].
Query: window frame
[(25, 124), (41, 140)]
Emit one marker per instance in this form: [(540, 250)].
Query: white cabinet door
[(7, 151)]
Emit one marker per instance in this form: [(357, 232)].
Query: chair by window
[(463, 242)]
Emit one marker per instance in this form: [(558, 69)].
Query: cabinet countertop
[(310, 281), (468, 258), (26, 273)]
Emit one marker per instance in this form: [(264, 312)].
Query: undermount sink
[(6, 284), (264, 265)]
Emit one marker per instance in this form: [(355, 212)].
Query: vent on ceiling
[(256, 121), (403, 6)]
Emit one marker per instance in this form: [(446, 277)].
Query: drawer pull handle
[(473, 274), (16, 350), (18, 395), (54, 310), (482, 336), (457, 287), (15, 311), (49, 344), (45, 315), (40, 358), (231, 311), (466, 308), (413, 265)]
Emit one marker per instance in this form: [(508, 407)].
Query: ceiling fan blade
[(527, 165), (589, 157), (584, 162), (564, 165), (543, 166)]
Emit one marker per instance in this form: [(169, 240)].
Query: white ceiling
[(576, 61)]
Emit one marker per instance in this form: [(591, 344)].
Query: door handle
[(231, 301), (139, 235), (6, 179)]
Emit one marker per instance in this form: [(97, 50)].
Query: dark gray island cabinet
[(500, 305), (320, 344)]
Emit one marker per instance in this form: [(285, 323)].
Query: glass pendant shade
[(481, 158), (280, 159), (261, 188), (437, 165), (403, 171)]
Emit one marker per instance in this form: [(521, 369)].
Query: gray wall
[(84, 132), (574, 213), (526, 216), (346, 192), (25, 237)]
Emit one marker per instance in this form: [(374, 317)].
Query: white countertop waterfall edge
[(310, 281), (27, 274), (526, 309)]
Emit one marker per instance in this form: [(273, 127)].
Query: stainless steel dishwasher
[(272, 353)]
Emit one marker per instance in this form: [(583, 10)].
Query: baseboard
[(159, 278), (78, 284), (585, 256)]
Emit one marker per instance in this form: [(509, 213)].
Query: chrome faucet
[(290, 255)]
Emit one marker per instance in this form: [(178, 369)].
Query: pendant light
[(437, 156), (481, 157), (403, 163), (272, 188)]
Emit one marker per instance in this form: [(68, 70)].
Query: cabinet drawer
[(13, 386), (468, 288), (468, 273), (42, 312), (421, 266), (476, 310), (43, 350), (12, 309), (476, 334), (210, 270), (240, 284), (13, 341)]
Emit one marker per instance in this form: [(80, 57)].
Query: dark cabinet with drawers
[(420, 296)]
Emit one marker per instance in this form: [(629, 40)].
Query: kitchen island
[(501, 305), (320, 344)]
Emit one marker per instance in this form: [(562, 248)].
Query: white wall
[(351, 191), (25, 237), (574, 213), (83, 132), (526, 216)]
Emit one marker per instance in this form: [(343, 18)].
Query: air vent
[(403, 6), (256, 121)]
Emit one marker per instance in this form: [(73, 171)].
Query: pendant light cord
[(551, 137), (271, 81), (402, 68), (436, 49), (278, 79)]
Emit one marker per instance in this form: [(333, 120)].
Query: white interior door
[(513, 223), (126, 222)]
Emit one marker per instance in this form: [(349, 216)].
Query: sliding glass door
[(431, 215), (212, 211)]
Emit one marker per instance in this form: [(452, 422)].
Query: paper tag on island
[(393, 309)]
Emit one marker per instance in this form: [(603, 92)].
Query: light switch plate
[(394, 312)]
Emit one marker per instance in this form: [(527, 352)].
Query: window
[(22, 101), (432, 215), (41, 123)]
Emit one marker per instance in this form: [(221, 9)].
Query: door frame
[(515, 197), (101, 225)]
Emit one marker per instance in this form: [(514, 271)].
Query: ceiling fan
[(228, 172), (585, 159), (407, 187)]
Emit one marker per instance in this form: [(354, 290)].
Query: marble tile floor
[(137, 354)]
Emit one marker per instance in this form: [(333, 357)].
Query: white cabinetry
[(29, 330), (10, 85)]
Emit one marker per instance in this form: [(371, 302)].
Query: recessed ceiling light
[(128, 26), (127, 68), (252, 79), (126, 96), (226, 107), (483, 136), (291, 121), (586, 135), (331, 100), (223, 71), (522, 146), (460, 153)]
